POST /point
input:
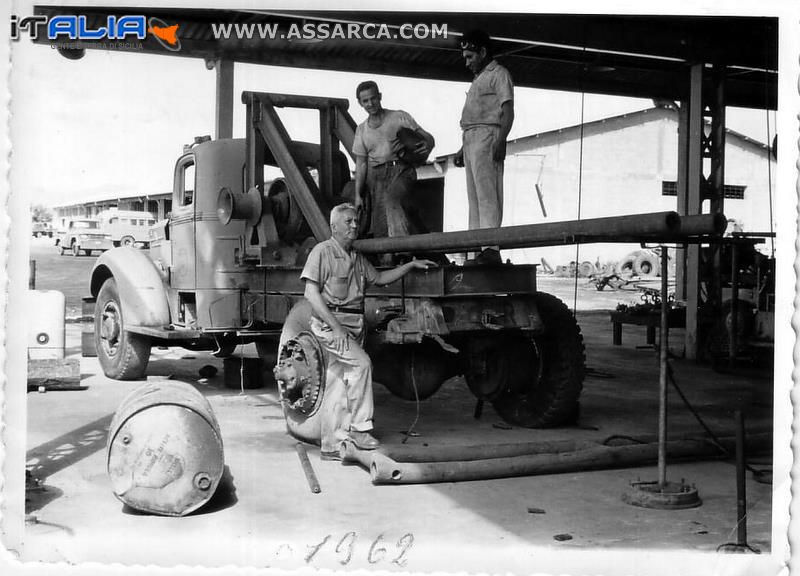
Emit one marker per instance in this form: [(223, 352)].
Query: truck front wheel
[(123, 355)]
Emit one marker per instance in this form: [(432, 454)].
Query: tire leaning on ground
[(123, 355), (549, 370), (625, 265), (647, 265), (586, 269)]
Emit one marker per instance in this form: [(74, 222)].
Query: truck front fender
[(142, 292)]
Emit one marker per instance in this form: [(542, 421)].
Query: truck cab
[(83, 235)]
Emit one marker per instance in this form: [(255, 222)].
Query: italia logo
[(77, 27), (167, 36)]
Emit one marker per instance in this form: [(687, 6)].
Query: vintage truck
[(83, 235), (224, 269)]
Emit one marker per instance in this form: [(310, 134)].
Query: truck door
[(182, 225)]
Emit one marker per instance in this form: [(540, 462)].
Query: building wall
[(621, 172)]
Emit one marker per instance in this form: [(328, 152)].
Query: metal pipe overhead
[(645, 227)]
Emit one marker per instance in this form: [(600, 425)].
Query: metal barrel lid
[(164, 451)]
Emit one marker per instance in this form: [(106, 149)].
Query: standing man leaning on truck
[(336, 277), (383, 166), (486, 120)]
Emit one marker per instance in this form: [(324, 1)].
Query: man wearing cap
[(486, 120), (336, 277), (383, 167)]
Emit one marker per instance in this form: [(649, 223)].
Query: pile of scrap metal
[(634, 266)]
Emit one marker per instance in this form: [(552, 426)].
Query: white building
[(621, 165)]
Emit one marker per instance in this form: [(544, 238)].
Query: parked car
[(42, 229), (84, 234), (127, 227)]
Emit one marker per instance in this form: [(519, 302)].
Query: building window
[(670, 188), (734, 192)]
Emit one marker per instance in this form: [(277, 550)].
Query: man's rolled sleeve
[(313, 268), (504, 86)]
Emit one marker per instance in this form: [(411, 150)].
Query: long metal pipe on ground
[(384, 470)]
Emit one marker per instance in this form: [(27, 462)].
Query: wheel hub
[(300, 374), (110, 328)]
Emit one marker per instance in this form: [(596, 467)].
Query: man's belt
[(391, 163), (345, 309)]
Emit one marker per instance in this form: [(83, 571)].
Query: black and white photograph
[(401, 288)]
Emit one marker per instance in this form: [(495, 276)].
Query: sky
[(114, 123)]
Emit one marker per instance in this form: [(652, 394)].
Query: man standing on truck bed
[(486, 121), (335, 277), (384, 167)]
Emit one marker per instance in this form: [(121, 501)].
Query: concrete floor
[(264, 514)]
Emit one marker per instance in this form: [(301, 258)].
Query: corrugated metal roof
[(642, 56)]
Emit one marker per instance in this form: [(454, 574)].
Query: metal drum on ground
[(164, 450)]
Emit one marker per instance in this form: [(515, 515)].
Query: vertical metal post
[(694, 199), (223, 116), (327, 145), (741, 485), (683, 159), (733, 329), (31, 274), (662, 373)]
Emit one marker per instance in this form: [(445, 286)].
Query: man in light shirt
[(486, 120), (336, 277), (382, 169)]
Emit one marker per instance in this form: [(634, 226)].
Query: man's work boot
[(363, 440)]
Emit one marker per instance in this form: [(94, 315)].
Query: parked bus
[(127, 227)]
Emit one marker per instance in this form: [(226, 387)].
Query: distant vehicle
[(42, 229), (83, 234), (127, 227)]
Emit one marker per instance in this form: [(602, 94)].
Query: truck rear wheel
[(123, 355), (547, 377), (127, 241)]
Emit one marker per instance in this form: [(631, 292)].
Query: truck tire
[(60, 248), (548, 376), (586, 269), (76, 250), (647, 265), (625, 265), (127, 241), (123, 355)]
